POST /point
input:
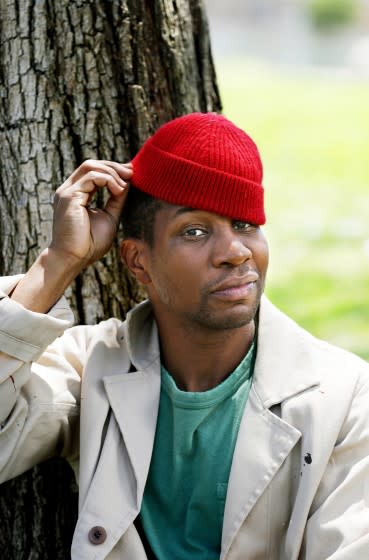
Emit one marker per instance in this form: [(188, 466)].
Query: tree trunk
[(81, 79)]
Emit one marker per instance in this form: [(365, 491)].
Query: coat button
[(97, 535)]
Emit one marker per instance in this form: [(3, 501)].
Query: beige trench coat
[(299, 482)]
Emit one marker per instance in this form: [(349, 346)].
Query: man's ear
[(133, 253)]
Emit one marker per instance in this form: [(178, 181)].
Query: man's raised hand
[(81, 235), (81, 232)]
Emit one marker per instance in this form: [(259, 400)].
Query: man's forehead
[(176, 211), (184, 210)]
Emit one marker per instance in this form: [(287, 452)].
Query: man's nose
[(230, 250)]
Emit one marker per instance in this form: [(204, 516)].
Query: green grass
[(313, 134)]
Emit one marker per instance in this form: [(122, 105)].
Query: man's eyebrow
[(183, 210)]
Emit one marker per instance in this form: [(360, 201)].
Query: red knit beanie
[(204, 161)]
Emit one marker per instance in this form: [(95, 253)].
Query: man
[(211, 425)]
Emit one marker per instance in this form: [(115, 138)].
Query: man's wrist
[(61, 263), (47, 279)]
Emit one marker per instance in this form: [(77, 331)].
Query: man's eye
[(194, 232), (243, 226)]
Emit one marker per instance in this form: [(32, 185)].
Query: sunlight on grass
[(313, 134)]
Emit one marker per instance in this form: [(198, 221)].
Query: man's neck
[(198, 360)]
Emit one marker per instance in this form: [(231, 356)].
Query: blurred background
[(294, 74)]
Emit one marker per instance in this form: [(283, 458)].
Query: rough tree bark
[(80, 79)]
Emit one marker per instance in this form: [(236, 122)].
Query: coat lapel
[(283, 368), (113, 499), (134, 399), (264, 441), (134, 396)]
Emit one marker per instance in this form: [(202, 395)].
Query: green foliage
[(327, 14), (313, 136)]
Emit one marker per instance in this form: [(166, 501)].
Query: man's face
[(205, 270)]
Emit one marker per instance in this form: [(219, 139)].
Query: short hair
[(138, 215)]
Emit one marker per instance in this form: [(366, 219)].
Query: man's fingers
[(125, 170), (94, 179), (90, 182), (114, 206), (121, 172)]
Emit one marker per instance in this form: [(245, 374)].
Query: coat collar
[(141, 336), (284, 364)]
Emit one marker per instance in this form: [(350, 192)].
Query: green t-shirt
[(183, 504)]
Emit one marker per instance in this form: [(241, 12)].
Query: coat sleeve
[(338, 527), (40, 369)]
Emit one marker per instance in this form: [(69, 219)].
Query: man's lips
[(236, 288)]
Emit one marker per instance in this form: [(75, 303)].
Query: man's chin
[(235, 318)]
